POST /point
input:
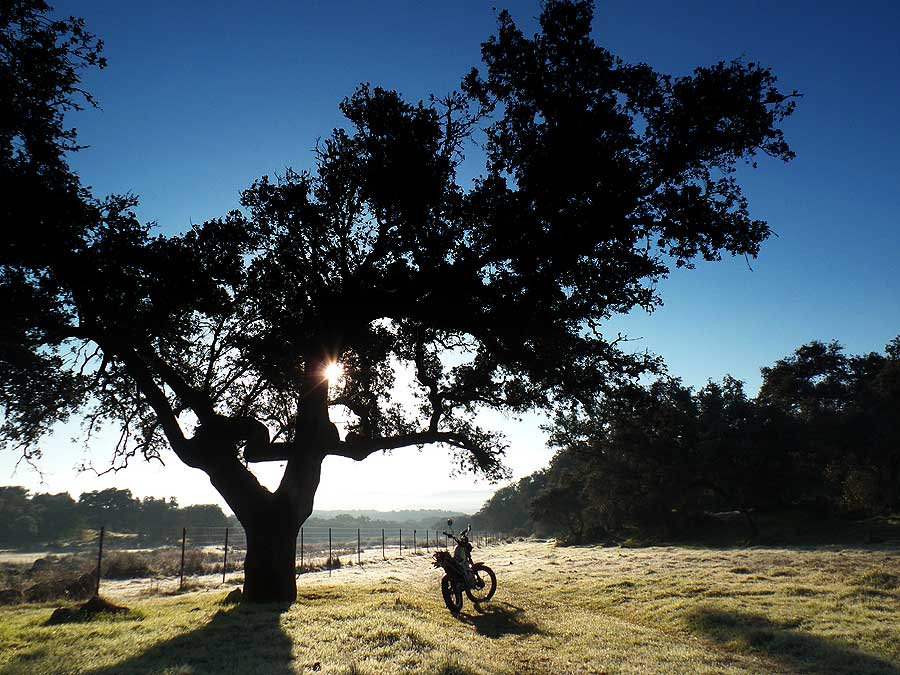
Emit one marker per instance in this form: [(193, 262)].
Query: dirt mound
[(233, 598), (86, 612)]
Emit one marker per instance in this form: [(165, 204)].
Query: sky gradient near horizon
[(202, 98)]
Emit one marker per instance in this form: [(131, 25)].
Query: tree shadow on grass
[(236, 640), (495, 620), (783, 642)]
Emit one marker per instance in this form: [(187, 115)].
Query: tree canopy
[(600, 176)]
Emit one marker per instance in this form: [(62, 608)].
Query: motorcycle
[(475, 579)]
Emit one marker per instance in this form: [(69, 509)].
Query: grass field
[(558, 610)]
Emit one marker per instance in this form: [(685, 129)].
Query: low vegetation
[(558, 610), (73, 577)]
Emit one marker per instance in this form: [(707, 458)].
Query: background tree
[(509, 509), (28, 519), (600, 175), (114, 509), (843, 414), (58, 516), (823, 434), (203, 515), (631, 463), (18, 522), (160, 514)]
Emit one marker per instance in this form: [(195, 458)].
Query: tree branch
[(360, 448), (138, 369), (196, 400)]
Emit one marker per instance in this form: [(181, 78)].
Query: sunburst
[(334, 371)]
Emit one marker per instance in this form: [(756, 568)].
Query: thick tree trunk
[(271, 523), (270, 565), (272, 520)]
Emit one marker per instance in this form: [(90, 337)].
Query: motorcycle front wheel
[(452, 595), (485, 584)]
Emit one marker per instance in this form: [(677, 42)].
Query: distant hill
[(430, 519), (417, 518)]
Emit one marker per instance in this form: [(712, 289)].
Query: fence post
[(358, 554), (301, 549), (99, 560), (183, 538), (329, 552), (225, 561), (415, 548), (427, 542), (382, 545), (400, 545)]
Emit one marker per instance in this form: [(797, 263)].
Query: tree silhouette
[(600, 176), (843, 431), (823, 434)]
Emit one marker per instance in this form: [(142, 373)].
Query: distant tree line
[(823, 433), (43, 518)]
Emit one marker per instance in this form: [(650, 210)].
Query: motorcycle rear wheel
[(485, 584), (452, 595)]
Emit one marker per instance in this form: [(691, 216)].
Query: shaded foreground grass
[(557, 610)]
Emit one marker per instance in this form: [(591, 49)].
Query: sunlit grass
[(558, 610)]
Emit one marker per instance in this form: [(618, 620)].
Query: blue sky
[(202, 98)]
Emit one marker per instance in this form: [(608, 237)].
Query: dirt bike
[(475, 579)]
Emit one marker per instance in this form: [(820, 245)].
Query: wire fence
[(205, 550)]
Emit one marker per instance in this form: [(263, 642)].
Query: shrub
[(126, 565)]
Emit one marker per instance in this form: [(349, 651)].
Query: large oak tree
[(600, 176)]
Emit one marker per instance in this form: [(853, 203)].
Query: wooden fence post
[(225, 561), (183, 538), (99, 560), (358, 554)]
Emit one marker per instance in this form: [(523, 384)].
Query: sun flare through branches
[(333, 372)]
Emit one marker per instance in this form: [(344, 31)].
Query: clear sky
[(201, 98)]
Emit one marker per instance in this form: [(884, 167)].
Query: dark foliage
[(823, 434), (509, 508), (47, 518)]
